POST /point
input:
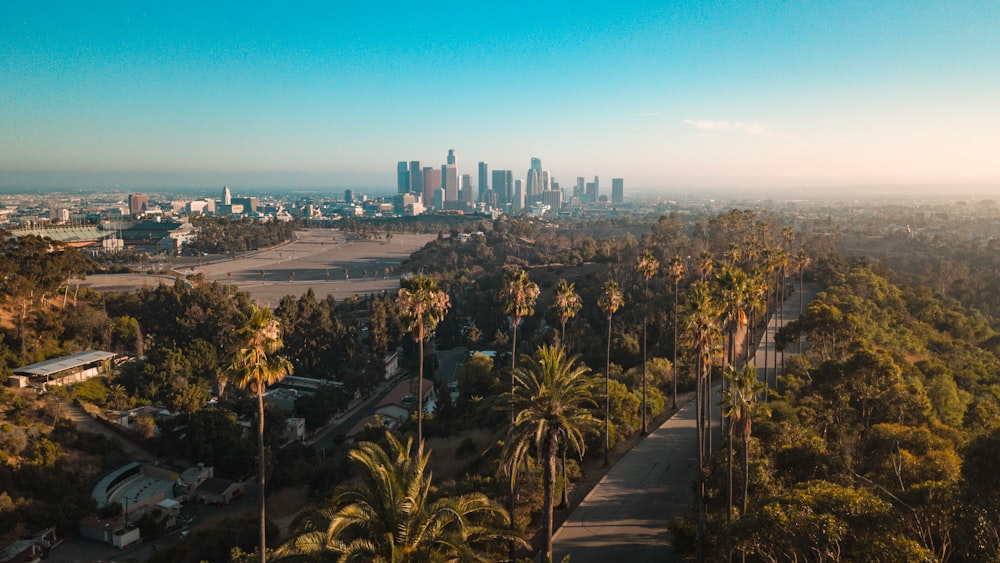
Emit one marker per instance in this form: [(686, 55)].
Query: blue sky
[(660, 93)]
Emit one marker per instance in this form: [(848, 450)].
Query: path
[(85, 423), (624, 518)]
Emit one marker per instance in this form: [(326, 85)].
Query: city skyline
[(682, 96)]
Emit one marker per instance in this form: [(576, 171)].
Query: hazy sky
[(661, 93)]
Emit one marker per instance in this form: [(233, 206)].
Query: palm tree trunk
[(645, 324), (746, 471), (420, 396), (607, 398), (564, 503), (700, 429), (549, 492), (511, 546), (675, 346), (260, 469)]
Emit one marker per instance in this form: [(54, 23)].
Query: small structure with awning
[(66, 370)]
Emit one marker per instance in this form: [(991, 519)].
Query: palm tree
[(646, 266), (552, 399), (422, 306), (255, 365), (702, 329), (705, 264), (565, 305), (802, 262), (392, 519), (676, 271), (518, 294), (739, 404), (610, 301)]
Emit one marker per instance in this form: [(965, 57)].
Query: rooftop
[(56, 365)]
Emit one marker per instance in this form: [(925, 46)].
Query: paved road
[(624, 519)]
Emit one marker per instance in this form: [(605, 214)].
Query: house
[(66, 370), (215, 490), (402, 400), (30, 550), (115, 531), (295, 430)]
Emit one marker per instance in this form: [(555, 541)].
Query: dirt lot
[(321, 259)]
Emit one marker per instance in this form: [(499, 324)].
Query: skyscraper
[(517, 202), (416, 177), (227, 196), (449, 181), (432, 181), (534, 180), (483, 185), (402, 177), (451, 157), (465, 193), (617, 190), (503, 186)]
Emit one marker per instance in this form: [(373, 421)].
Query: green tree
[(739, 407), (392, 518), (256, 365), (646, 266), (565, 305), (676, 271), (610, 301), (422, 307), (552, 399)]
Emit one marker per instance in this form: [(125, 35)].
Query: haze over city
[(688, 95)]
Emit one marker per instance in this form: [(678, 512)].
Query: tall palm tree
[(702, 330), (392, 518), (646, 266), (802, 262), (676, 271), (518, 295), (552, 398), (610, 301), (705, 264), (422, 306), (740, 406), (255, 365), (565, 305)]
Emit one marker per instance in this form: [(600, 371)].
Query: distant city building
[(580, 189), (449, 180), (451, 157), (402, 177), (432, 182), (138, 204), (552, 198), (416, 178), (245, 204), (349, 196), (227, 196), (465, 192), (617, 190), (534, 179), (503, 187), (483, 178), (517, 202)]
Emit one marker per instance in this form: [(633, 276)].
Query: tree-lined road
[(624, 518)]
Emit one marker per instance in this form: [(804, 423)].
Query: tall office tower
[(597, 188), (579, 190), (416, 177), (138, 204), (449, 181), (534, 180), (432, 181), (465, 193), (591, 194), (617, 190), (451, 157), (349, 196), (227, 196), (402, 177), (503, 185), (483, 180), (517, 202)]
